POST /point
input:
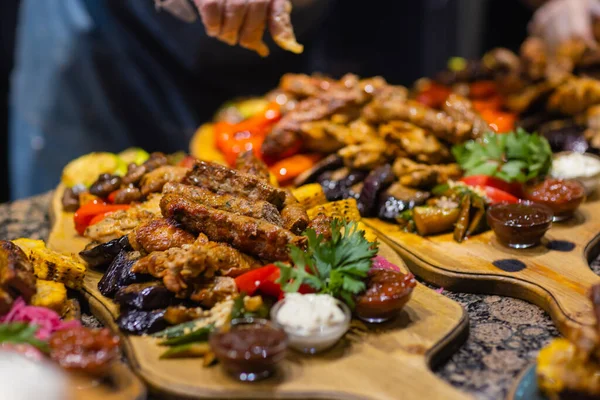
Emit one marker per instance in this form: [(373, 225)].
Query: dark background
[(358, 38)]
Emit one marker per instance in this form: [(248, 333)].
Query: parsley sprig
[(337, 267), (21, 332), (514, 157)]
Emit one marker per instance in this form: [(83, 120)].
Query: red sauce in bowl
[(519, 225), (387, 292), (562, 196)]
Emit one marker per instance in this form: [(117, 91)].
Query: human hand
[(244, 22), (560, 20)]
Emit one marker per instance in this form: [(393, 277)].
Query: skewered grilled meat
[(220, 179), (461, 109), (408, 140), (179, 266), (417, 175), (154, 181), (158, 235), (238, 205), (294, 215), (365, 156), (248, 163), (120, 223), (16, 275), (302, 86), (256, 237)]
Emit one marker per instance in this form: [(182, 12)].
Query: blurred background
[(368, 45)]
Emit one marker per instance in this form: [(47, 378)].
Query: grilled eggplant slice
[(398, 198), (139, 322), (329, 163), (377, 180), (119, 274), (145, 296), (105, 253), (336, 184)]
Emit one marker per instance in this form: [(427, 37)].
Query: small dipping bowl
[(519, 225), (250, 348), (563, 197), (583, 167), (387, 293), (314, 341)]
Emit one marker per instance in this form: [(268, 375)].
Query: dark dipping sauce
[(387, 292), (519, 225), (251, 349), (562, 196)]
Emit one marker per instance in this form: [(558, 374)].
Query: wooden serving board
[(555, 276), (120, 384), (386, 362)]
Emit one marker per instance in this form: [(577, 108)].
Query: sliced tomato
[(499, 196), (251, 280), (86, 213), (287, 169), (270, 287), (515, 188)]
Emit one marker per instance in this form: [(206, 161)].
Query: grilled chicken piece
[(321, 224), (422, 176), (406, 139), (227, 202), (220, 179), (575, 96), (294, 215), (159, 235), (17, 277), (461, 109), (248, 163), (280, 26), (302, 86), (154, 181), (521, 101), (533, 58), (365, 156), (252, 236), (121, 223), (381, 110)]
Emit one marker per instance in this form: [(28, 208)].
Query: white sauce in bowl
[(309, 313), (575, 165)]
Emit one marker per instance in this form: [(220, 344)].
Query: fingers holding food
[(234, 13), (253, 29), (211, 12)]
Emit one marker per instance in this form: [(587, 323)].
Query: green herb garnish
[(337, 267), (20, 332), (513, 157)]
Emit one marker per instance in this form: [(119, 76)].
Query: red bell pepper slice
[(434, 95), (187, 162), (482, 89), (515, 188), (84, 215), (289, 168), (251, 280)]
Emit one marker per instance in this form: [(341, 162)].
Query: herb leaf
[(20, 332), (337, 267)]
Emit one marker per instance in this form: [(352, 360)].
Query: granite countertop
[(505, 334)]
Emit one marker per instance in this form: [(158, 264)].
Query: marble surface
[(505, 334)]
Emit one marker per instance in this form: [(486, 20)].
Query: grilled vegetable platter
[(216, 276)]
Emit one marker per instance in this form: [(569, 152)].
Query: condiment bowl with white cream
[(583, 167), (313, 322)]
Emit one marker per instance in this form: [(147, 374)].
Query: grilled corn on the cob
[(310, 195), (51, 265), (342, 209), (50, 295)]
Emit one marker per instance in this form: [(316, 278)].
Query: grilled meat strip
[(154, 181), (248, 163), (461, 109), (220, 179), (238, 205), (294, 215), (178, 267), (215, 291), (16, 275), (252, 236), (158, 235)]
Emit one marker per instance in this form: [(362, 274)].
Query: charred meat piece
[(120, 223), (119, 274), (329, 163), (220, 179), (398, 198), (252, 236), (154, 181), (461, 109), (417, 175), (144, 296), (248, 163), (365, 156), (158, 235), (227, 202), (105, 253), (105, 185), (374, 184), (16, 272), (321, 224), (138, 322), (337, 184), (575, 96), (128, 195), (302, 86), (213, 292), (439, 123), (408, 140), (179, 266), (293, 215)]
